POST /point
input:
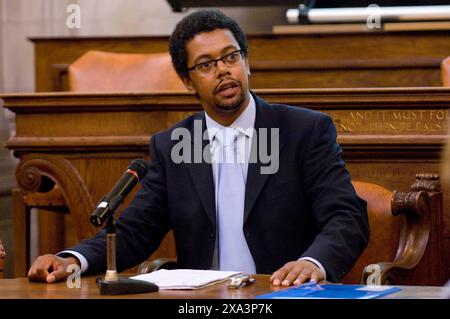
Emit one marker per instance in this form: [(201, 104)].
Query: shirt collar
[(244, 123)]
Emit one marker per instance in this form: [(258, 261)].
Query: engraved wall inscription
[(391, 121)]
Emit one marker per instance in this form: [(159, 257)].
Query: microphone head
[(140, 166)]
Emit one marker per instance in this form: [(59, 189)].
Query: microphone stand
[(112, 284)]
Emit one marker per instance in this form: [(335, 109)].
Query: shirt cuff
[(318, 264), (83, 261)]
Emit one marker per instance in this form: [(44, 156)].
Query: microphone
[(109, 203)]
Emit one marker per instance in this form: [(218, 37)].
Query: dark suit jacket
[(308, 208)]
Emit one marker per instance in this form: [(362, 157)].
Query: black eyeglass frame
[(215, 61)]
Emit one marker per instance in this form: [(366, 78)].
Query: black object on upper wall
[(179, 5)]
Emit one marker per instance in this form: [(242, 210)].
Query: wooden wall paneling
[(21, 238), (315, 60)]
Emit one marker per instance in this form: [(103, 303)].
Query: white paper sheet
[(185, 278)]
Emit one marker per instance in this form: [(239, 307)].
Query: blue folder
[(326, 291)]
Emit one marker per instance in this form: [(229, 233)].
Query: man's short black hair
[(195, 23)]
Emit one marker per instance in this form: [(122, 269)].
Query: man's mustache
[(224, 83)]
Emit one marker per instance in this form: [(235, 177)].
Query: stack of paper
[(185, 278)]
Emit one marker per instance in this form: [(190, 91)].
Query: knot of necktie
[(227, 136)]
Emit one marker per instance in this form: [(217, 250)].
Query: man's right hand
[(50, 268)]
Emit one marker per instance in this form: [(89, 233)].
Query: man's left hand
[(296, 273)]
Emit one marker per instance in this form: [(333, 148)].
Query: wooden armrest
[(416, 207), (160, 263)]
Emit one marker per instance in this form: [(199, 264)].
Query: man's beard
[(230, 105)]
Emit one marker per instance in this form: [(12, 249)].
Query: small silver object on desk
[(240, 281)]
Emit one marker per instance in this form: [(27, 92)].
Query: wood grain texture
[(313, 60), (21, 288)]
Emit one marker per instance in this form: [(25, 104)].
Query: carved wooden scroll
[(57, 177), (419, 209)]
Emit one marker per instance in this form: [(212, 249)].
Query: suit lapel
[(200, 170), (265, 118)]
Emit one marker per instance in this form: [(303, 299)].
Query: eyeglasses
[(229, 60)]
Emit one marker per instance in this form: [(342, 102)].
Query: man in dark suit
[(286, 207)]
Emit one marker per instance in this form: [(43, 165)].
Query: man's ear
[(188, 83), (247, 66)]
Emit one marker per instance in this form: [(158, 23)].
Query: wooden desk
[(21, 288), (309, 60), (83, 142)]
